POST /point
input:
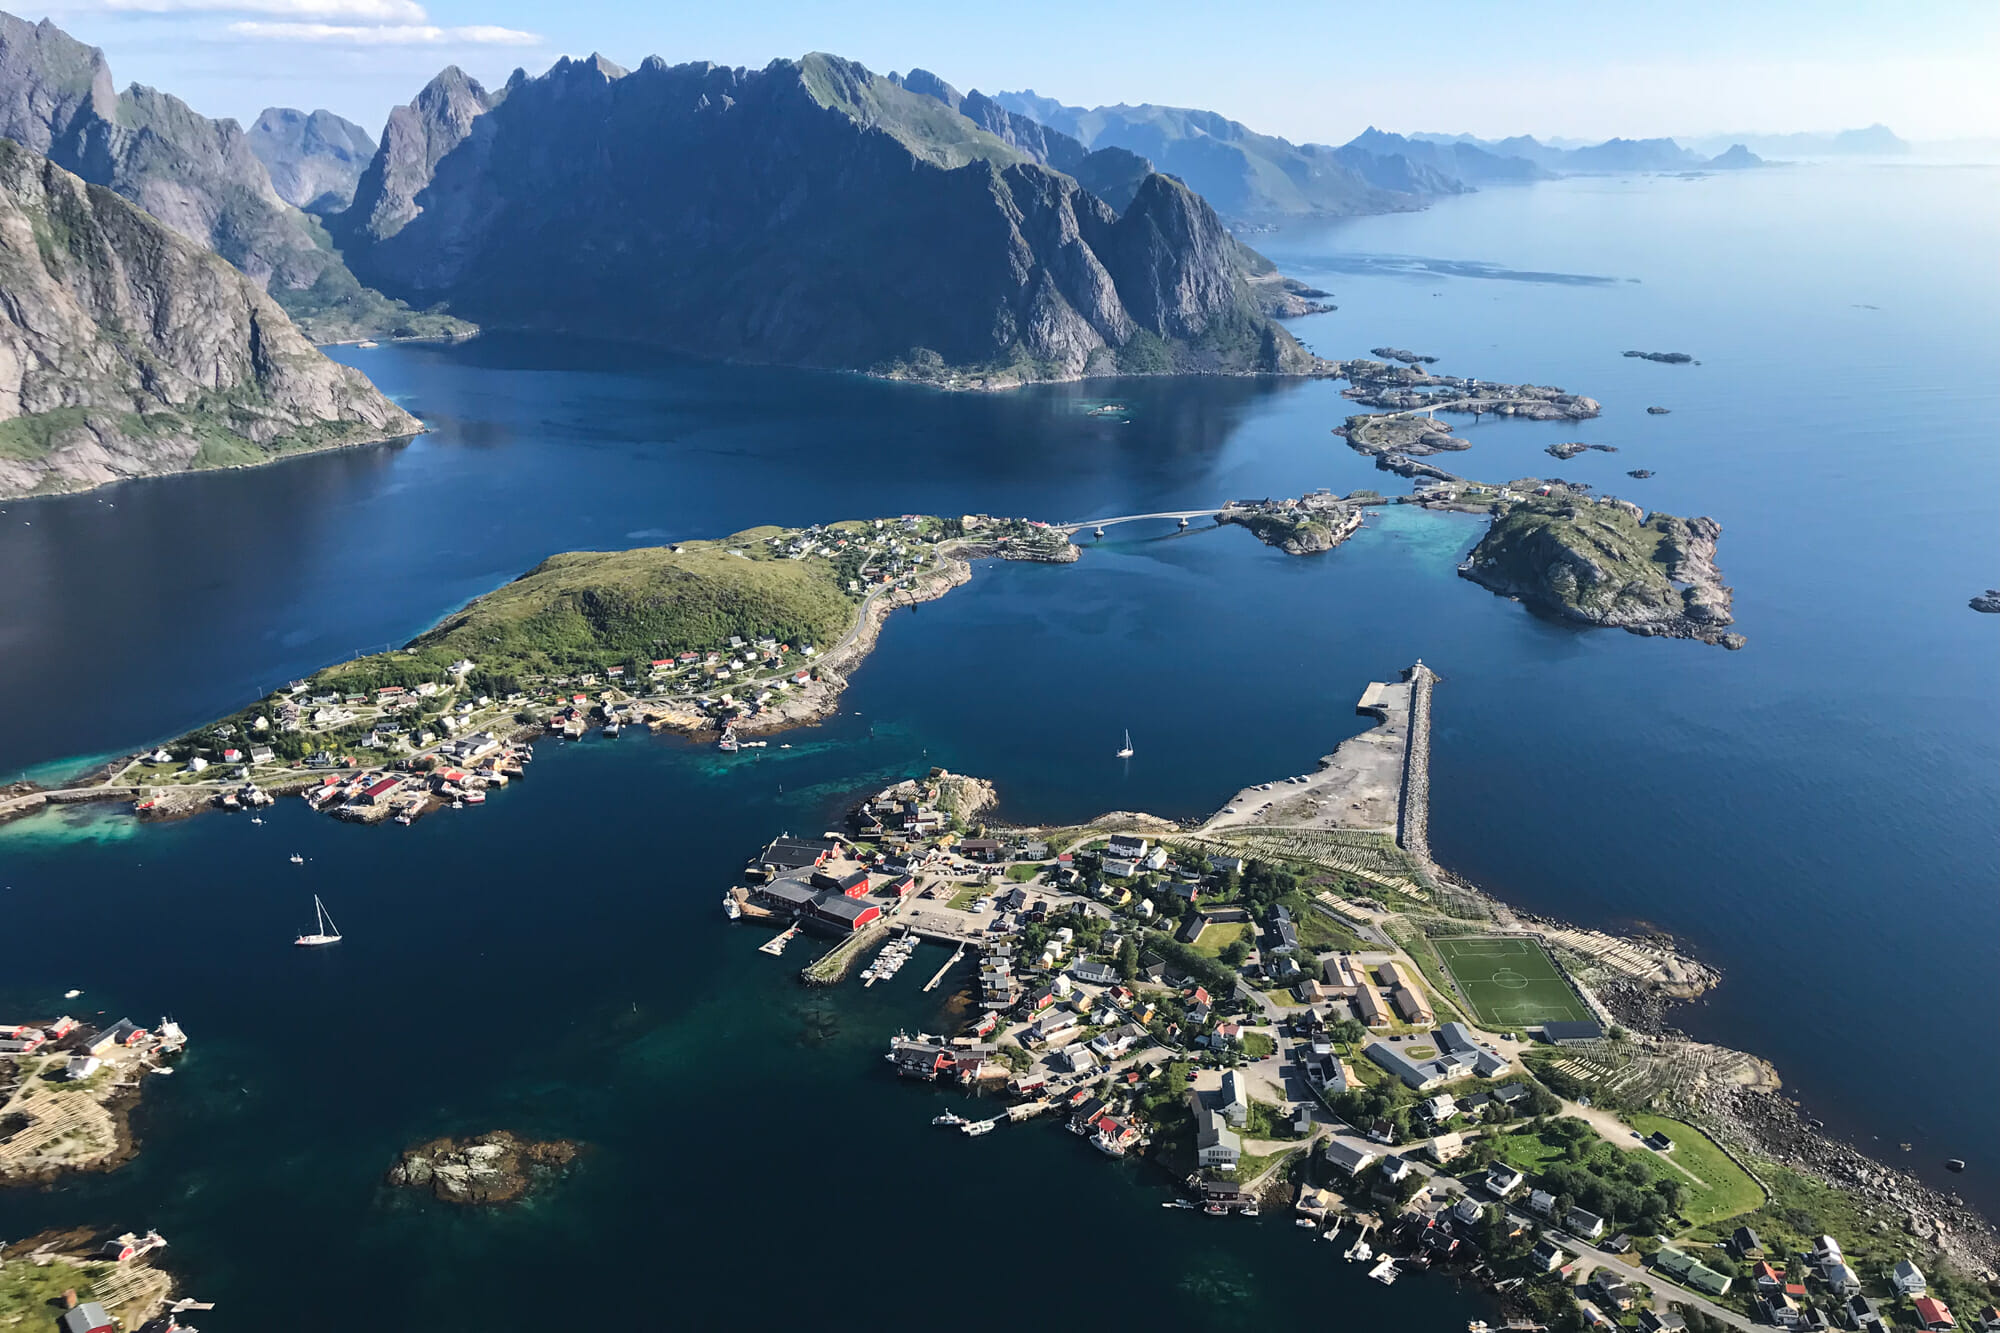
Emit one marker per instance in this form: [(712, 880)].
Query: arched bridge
[(1134, 518)]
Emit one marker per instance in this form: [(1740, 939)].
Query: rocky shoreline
[(483, 1169), (1306, 526), (1588, 561)]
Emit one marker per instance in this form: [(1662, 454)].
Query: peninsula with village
[(1289, 1006), (734, 639)]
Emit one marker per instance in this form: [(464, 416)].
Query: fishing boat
[(731, 908), (977, 1127), (298, 860), (948, 1118), (475, 798), (1125, 750), (403, 818), (328, 933)]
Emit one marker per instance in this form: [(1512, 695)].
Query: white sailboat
[(328, 933), (1126, 751)]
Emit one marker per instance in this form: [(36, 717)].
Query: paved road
[(1134, 518)]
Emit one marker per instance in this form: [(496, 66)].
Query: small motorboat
[(256, 819), (948, 1119), (298, 860)]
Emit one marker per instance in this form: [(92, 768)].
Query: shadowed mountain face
[(315, 159), (199, 176), (1112, 174), (809, 213), (127, 350)]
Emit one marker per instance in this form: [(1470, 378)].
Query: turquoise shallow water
[(1814, 811)]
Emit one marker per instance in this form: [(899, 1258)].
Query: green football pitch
[(1510, 983)]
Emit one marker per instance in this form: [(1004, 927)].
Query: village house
[(1216, 1144), (1347, 1159)]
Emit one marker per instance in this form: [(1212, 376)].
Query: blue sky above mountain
[(1560, 68)]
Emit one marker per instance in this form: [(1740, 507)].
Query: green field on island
[(1510, 983)]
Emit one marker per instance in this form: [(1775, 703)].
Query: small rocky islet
[(482, 1169), (1572, 448), (1665, 358)]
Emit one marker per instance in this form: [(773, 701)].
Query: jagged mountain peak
[(811, 212)]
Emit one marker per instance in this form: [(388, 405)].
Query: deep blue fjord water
[(1816, 814)]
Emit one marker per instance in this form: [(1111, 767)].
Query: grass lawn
[(1021, 874), (1219, 937), (1256, 1045), (964, 897), (1253, 1166), (1510, 983), (1320, 932), (31, 1297), (1525, 1151), (1727, 1189)]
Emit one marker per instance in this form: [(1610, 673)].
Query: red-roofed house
[(1933, 1313), (1201, 995)]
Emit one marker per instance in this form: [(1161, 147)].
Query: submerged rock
[(482, 1169)]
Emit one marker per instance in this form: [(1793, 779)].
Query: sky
[(1312, 72)]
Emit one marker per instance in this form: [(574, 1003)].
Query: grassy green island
[(1607, 562)]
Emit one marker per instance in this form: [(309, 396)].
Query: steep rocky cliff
[(809, 213), (127, 350), (314, 159), (199, 176)]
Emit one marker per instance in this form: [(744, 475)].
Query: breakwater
[(1413, 820)]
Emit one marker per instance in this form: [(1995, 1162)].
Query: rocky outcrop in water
[(1988, 601), (1605, 562), (127, 350), (315, 159), (809, 213), (483, 1169), (1658, 411), (1665, 358), (1305, 526)]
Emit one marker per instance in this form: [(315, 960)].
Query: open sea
[(1818, 815)]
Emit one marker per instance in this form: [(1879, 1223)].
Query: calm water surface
[(1815, 814)]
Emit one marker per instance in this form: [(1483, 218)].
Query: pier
[(949, 963), (776, 944)]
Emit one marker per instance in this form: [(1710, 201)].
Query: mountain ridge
[(128, 350), (810, 213), (199, 176)]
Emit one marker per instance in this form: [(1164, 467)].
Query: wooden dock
[(776, 944), (949, 963)]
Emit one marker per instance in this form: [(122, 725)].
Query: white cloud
[(391, 34), (378, 11)]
